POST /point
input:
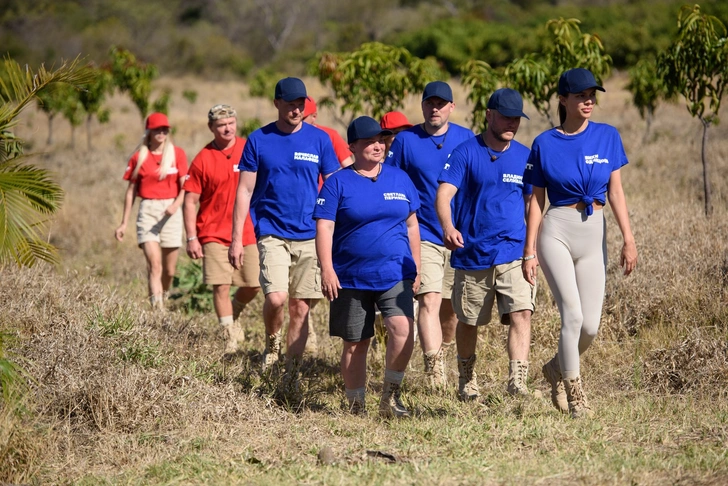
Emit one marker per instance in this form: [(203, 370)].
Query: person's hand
[(416, 284), (330, 284), (530, 270), (171, 209), (235, 254), (628, 259), (194, 249), (119, 232), (453, 239)]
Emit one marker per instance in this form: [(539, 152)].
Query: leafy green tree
[(93, 96), (696, 66), (482, 81), (28, 195), (133, 77), (73, 110), (374, 79), (536, 76), (647, 89)]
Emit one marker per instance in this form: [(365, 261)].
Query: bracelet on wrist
[(529, 257), (191, 238)]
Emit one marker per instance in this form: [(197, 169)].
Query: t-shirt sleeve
[(621, 154), (180, 158), (249, 159), (454, 170), (130, 167), (327, 203), (533, 174), (194, 176), (395, 157), (412, 195)]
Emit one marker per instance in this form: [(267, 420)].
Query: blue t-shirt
[(489, 207), (288, 167), (371, 248), (416, 153), (576, 168)]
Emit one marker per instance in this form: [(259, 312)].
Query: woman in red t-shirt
[(156, 173)]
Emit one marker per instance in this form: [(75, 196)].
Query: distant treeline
[(235, 37)]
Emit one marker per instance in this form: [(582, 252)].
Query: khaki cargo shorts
[(154, 225), (475, 291), (289, 266), (436, 274), (216, 268)]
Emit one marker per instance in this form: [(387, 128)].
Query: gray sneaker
[(390, 405)]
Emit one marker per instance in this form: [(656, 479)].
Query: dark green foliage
[(246, 127), (192, 294)]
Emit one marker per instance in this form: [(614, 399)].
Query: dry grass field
[(119, 395)]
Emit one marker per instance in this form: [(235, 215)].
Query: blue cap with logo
[(577, 80), (507, 102), (289, 89), (438, 89), (364, 127)]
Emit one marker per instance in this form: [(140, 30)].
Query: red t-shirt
[(340, 146), (148, 184), (214, 176)]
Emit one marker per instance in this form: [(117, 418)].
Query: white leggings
[(572, 251)]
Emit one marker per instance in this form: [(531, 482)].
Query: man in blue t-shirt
[(422, 151), (279, 172), (486, 232)]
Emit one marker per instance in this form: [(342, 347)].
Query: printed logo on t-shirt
[(307, 157), (320, 201), (236, 168), (529, 166), (594, 159), (172, 170), (187, 177), (447, 166), (395, 196), (513, 178)]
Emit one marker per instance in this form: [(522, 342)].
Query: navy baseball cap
[(507, 102), (439, 89), (364, 127), (289, 89), (577, 80)]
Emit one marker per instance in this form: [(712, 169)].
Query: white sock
[(226, 320)]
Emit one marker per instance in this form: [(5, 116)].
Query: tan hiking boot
[(517, 379), (468, 381), (435, 369), (233, 335), (273, 345), (237, 308), (312, 341), (390, 405), (552, 372), (578, 405)]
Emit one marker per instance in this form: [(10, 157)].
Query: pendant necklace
[(373, 178), (444, 137), (214, 143), (497, 155)]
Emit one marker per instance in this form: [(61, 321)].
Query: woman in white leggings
[(579, 163)]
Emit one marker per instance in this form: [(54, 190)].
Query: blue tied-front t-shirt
[(576, 168), (371, 249), (489, 207), (288, 166), (415, 152)]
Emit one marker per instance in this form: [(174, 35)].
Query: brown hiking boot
[(357, 407), (233, 335), (517, 378), (468, 380), (390, 405), (435, 369), (578, 405), (273, 345), (552, 372)]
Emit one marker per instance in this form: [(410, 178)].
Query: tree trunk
[(50, 130), (706, 174), (73, 136), (648, 120)]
